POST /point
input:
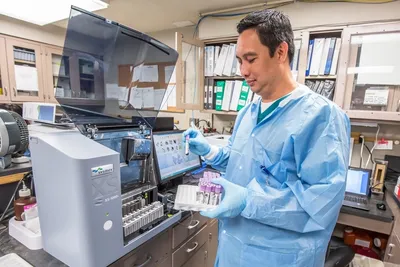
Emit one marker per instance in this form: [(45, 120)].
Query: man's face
[(256, 65)]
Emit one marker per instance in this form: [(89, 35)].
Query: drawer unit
[(190, 248), (187, 228)]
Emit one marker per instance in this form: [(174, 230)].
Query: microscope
[(94, 181)]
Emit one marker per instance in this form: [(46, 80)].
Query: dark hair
[(272, 27)]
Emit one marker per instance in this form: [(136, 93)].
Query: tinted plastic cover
[(110, 74)]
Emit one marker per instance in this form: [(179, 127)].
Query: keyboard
[(360, 200)]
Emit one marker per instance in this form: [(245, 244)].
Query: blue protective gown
[(294, 163)]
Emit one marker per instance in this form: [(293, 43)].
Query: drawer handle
[(5, 91), (190, 227), (391, 246), (144, 263), (15, 92), (193, 248)]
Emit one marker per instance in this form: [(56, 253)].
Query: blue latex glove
[(233, 201), (197, 142)]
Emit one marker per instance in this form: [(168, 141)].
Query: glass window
[(373, 72)]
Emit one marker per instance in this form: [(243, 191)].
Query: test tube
[(213, 196), (187, 145), (206, 198), (200, 193), (218, 191)]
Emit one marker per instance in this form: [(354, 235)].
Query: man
[(286, 161)]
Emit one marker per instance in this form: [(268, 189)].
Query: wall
[(168, 37), (303, 15), (46, 34)]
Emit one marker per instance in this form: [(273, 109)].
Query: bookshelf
[(334, 72)]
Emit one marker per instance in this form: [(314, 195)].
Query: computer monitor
[(358, 181), (169, 155)]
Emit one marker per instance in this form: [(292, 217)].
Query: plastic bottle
[(397, 188), (25, 199), (349, 236)]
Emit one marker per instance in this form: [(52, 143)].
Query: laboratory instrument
[(95, 182), (187, 145), (13, 138)]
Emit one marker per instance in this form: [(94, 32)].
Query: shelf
[(320, 77), (24, 62), (87, 79), (80, 101), (60, 76), (211, 111), (224, 77)]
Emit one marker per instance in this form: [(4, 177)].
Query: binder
[(324, 56), (335, 57), (309, 56), (295, 62), (227, 71), (244, 94), (210, 94), (319, 89), (237, 88), (318, 49), (330, 56), (250, 97), (226, 100), (238, 73), (206, 81), (216, 55), (219, 94), (210, 60), (219, 67)]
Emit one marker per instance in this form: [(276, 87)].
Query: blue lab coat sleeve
[(312, 195), (220, 161)]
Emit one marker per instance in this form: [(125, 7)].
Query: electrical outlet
[(385, 146)]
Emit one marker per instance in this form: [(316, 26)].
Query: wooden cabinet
[(369, 72), (4, 79), (189, 73), (392, 254), (25, 70)]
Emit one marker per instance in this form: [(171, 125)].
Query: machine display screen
[(171, 158)]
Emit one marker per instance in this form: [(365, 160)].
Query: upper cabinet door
[(4, 85), (57, 74), (25, 71), (189, 73), (299, 63), (369, 72)]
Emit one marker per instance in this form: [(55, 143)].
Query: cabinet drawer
[(199, 259), (393, 250), (151, 253), (188, 249), (186, 228)]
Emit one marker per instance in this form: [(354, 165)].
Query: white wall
[(46, 34), (304, 15)]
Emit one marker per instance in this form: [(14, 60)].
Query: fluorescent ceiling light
[(43, 12), (184, 23)]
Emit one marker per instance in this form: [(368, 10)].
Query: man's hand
[(197, 142), (233, 202)]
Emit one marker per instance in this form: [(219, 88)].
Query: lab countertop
[(36, 258), (374, 213)]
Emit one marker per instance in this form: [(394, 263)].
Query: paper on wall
[(142, 97), (137, 73), (377, 96), (26, 78), (169, 74), (149, 73), (148, 97), (158, 98), (171, 95)]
